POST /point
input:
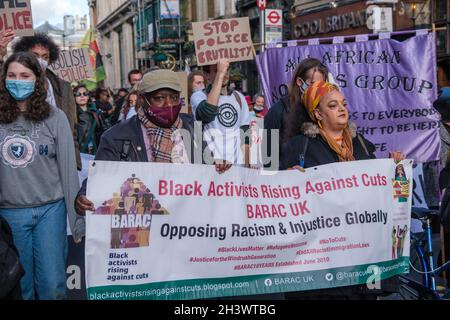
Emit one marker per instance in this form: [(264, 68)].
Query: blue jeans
[(41, 238)]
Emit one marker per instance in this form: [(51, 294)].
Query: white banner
[(163, 231)]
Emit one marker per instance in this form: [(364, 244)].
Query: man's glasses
[(81, 94)]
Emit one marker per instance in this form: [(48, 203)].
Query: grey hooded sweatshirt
[(38, 166)]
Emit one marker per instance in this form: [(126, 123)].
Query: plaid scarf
[(167, 145)]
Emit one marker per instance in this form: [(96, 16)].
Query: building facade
[(69, 35), (322, 19), (441, 21), (113, 21)]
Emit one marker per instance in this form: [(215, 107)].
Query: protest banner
[(227, 38), (390, 87), (16, 15), (165, 231), (73, 65)]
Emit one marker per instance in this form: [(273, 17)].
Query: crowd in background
[(142, 124)]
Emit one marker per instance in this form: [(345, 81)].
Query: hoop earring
[(319, 123)]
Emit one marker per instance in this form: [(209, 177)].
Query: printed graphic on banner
[(390, 87), (16, 15), (73, 65), (242, 233), (218, 39), (131, 211), (400, 184)]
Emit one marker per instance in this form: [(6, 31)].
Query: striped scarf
[(167, 145)]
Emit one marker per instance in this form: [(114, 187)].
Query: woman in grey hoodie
[(39, 178)]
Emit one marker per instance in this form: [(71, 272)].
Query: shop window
[(441, 40), (441, 10)]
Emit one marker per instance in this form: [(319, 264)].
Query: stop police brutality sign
[(227, 38), (16, 15)]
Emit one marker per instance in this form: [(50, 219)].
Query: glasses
[(161, 98), (81, 94)]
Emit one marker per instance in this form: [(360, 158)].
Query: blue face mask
[(20, 89), (303, 87)]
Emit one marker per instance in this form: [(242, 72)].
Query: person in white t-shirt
[(225, 116)]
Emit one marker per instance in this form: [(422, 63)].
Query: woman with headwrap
[(328, 138), (330, 135)]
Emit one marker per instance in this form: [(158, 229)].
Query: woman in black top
[(328, 138)]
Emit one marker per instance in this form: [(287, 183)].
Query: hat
[(159, 79), (442, 104), (315, 92), (249, 100)]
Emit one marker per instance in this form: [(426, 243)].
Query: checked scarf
[(167, 144)]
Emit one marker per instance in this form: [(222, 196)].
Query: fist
[(222, 66)]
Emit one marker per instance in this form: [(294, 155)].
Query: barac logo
[(131, 210)]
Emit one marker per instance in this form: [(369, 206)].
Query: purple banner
[(390, 87)]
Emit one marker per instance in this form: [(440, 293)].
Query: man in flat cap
[(153, 134)]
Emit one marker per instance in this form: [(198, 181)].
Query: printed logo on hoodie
[(17, 151)]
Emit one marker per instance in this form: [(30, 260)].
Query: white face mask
[(201, 88), (43, 63)]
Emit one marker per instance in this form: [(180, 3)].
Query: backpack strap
[(126, 144), (238, 98), (283, 103), (361, 140), (301, 157)]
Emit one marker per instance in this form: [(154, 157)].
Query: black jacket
[(274, 120), (318, 151), (125, 142)]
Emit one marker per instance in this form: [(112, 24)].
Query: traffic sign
[(262, 4), (273, 18)]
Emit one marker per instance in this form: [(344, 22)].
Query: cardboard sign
[(16, 15), (218, 39), (73, 65)]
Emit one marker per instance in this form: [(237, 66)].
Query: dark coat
[(112, 143), (318, 152), (274, 120), (66, 102)]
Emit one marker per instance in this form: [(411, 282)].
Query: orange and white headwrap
[(315, 92)]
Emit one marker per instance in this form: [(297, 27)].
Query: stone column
[(127, 30), (115, 52)]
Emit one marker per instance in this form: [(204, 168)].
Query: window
[(441, 10)]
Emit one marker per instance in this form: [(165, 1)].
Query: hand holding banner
[(243, 233)]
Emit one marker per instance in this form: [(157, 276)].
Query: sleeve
[(73, 122), (106, 152), (272, 120), (202, 110), (65, 153), (290, 153), (245, 112), (444, 177)]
